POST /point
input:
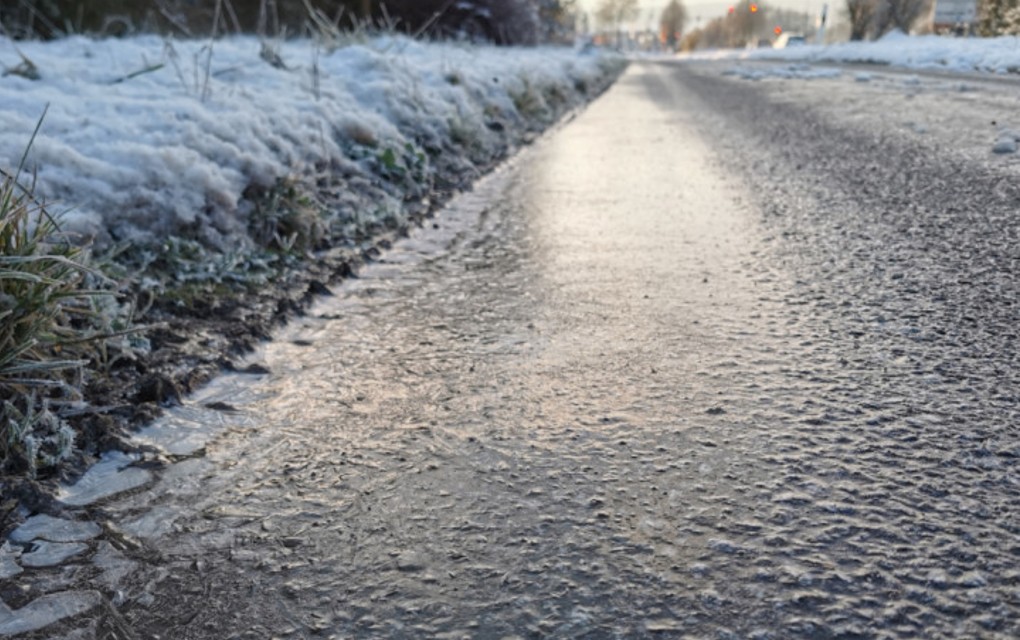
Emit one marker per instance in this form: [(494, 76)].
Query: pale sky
[(709, 9)]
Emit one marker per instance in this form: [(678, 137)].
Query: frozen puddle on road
[(182, 432), (186, 430), (45, 543), (46, 610), (182, 435), (113, 474), (46, 527)]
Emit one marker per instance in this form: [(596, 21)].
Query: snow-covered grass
[(149, 138), (995, 55)]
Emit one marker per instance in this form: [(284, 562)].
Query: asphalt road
[(732, 354)]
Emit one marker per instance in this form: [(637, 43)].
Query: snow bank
[(147, 137), (996, 55)]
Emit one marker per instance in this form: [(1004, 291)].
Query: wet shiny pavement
[(634, 386)]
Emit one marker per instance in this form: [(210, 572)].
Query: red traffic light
[(730, 11), (778, 30)]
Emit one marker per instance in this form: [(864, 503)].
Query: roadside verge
[(222, 186)]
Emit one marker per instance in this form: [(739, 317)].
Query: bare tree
[(613, 13), (747, 21), (992, 16), (862, 15), (1011, 22), (671, 23), (558, 19), (898, 14), (499, 21)]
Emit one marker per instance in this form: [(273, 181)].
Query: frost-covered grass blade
[(47, 323)]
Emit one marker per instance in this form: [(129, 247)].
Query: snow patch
[(46, 527), (171, 151), (1006, 141), (46, 610), (9, 566), (789, 71), (49, 554), (995, 55), (110, 476)]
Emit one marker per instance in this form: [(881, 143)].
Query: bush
[(499, 21)]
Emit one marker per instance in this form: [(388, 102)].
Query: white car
[(789, 40)]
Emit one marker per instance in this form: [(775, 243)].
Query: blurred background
[(633, 25)]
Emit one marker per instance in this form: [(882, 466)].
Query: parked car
[(789, 40)]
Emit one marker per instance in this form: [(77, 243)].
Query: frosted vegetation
[(50, 320), (219, 163), (148, 138)]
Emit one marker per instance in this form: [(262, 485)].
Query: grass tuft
[(285, 219), (528, 99), (48, 327)]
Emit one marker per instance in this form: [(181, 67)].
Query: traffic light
[(730, 11), (754, 8), (778, 30)]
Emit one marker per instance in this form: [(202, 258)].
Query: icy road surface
[(724, 357)]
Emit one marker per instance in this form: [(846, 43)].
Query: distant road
[(1009, 79)]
